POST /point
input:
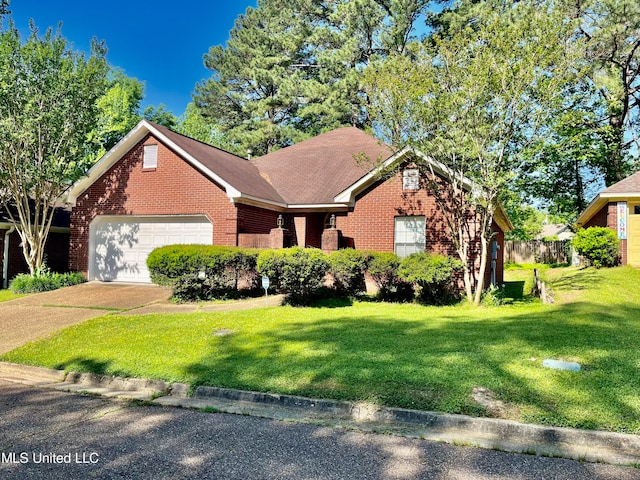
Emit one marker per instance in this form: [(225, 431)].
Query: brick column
[(277, 238), (331, 240)]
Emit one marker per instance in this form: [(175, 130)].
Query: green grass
[(6, 295), (399, 355)]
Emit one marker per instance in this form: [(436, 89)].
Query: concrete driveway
[(39, 315)]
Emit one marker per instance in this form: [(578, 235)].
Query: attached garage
[(119, 245)]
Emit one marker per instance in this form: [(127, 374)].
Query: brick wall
[(174, 187), (599, 219), (256, 220), (371, 223)]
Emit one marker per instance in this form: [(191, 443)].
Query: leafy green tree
[(612, 49), (118, 110), (161, 115), (192, 124), (563, 168), (527, 221), (48, 107), (292, 69), (472, 100)]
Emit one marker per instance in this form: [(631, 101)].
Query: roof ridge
[(157, 125)]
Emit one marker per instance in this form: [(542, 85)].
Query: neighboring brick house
[(12, 260), (158, 187), (618, 207)]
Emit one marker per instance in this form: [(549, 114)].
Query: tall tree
[(161, 115), (192, 124), (562, 170), (472, 100), (612, 31), (48, 96), (118, 109), (254, 93), (293, 68)]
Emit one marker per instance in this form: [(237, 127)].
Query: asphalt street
[(46, 434)]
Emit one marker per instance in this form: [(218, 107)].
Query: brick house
[(618, 207), (157, 187), (56, 249)]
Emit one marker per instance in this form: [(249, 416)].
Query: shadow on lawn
[(434, 365), (79, 364), (585, 278)]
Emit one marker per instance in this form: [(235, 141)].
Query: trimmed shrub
[(431, 274), (347, 268), (297, 272), (45, 281), (203, 272), (383, 269), (599, 245)]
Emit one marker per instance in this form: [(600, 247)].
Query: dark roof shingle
[(236, 171), (631, 184), (316, 170)]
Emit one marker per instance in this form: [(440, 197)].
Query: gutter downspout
[(5, 258)]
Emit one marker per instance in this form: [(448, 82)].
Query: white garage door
[(120, 245)]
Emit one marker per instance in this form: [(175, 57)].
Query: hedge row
[(203, 272), (25, 283), (199, 272)]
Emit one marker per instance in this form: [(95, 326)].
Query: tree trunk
[(614, 170), (484, 251)]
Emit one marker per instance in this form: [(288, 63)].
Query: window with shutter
[(150, 158), (410, 179)]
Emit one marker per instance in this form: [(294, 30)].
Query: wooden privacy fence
[(537, 251)]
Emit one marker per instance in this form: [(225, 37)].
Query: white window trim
[(150, 156), (406, 246)]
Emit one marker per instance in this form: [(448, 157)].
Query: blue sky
[(158, 42)]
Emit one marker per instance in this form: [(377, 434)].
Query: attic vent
[(410, 179), (150, 159)]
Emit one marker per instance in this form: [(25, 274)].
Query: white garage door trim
[(118, 259)]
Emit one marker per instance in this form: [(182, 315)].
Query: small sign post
[(265, 285)]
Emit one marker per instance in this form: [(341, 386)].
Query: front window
[(409, 235)]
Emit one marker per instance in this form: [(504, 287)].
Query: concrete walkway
[(39, 315)]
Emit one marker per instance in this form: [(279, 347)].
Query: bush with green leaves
[(210, 271), (297, 272), (383, 269), (43, 281), (432, 276), (348, 267), (599, 245)]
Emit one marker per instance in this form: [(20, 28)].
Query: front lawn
[(400, 355), (6, 295)]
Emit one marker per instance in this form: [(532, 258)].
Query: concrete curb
[(585, 445), (34, 375)]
